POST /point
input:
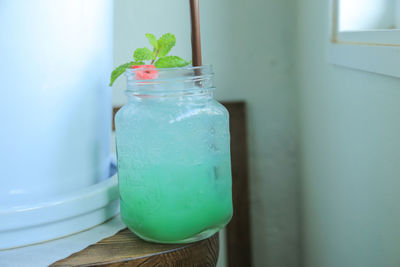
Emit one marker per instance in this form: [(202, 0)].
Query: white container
[(55, 111)]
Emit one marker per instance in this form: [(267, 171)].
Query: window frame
[(376, 51)]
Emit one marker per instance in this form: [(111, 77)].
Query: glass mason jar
[(173, 150)]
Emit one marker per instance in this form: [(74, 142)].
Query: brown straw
[(196, 42)]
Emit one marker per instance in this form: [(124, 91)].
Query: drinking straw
[(195, 23)]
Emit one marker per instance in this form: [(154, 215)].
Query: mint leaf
[(142, 54), (161, 48), (165, 44), (121, 69), (171, 62), (152, 39)]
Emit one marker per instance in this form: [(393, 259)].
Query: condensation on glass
[(173, 149)]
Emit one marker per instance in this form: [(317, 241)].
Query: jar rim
[(177, 68), (198, 70), (189, 79)]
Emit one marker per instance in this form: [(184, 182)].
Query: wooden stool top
[(126, 249)]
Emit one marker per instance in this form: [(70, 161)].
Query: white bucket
[(55, 103)]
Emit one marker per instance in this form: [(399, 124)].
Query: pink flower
[(147, 73)]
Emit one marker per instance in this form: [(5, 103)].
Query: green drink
[(177, 203), (174, 163)]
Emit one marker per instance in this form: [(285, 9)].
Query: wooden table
[(126, 249)]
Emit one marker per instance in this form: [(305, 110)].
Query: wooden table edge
[(200, 253)]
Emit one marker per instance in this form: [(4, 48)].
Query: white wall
[(251, 45), (350, 153)]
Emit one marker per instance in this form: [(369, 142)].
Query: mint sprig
[(157, 57)]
